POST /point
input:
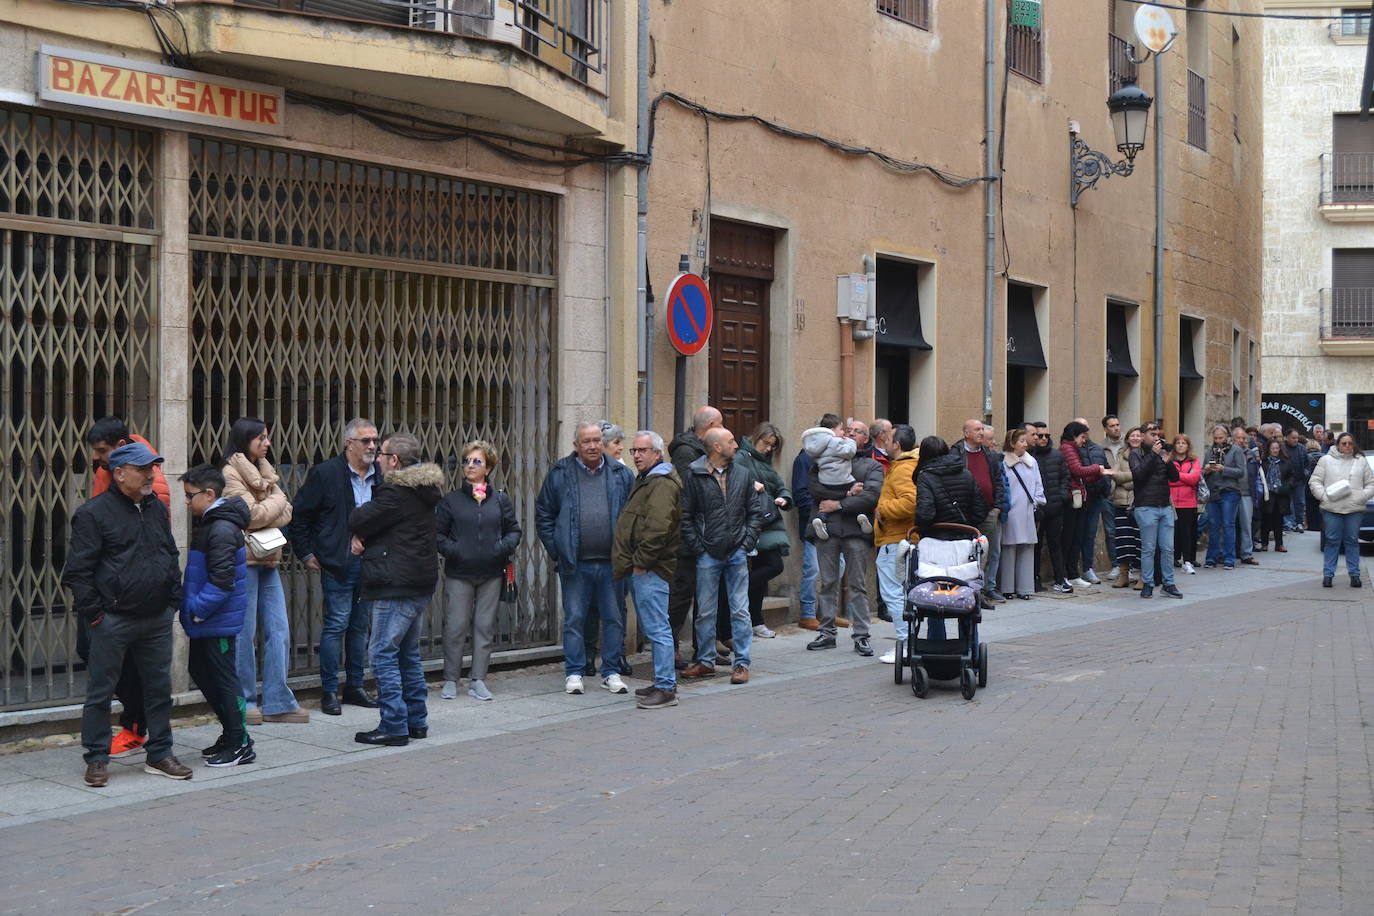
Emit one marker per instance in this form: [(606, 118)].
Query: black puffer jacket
[(685, 448), (121, 558), (1054, 475), (946, 493), (1150, 475), (398, 532), (476, 539), (719, 523)]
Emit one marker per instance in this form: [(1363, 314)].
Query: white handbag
[(264, 542)]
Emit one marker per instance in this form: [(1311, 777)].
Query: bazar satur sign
[(1302, 411)]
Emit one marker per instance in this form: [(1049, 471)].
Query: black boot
[(1326, 581), (1355, 582), (357, 696), (329, 704)]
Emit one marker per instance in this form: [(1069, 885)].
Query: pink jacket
[(1184, 492), (1080, 474)]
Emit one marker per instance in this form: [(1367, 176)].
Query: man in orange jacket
[(106, 435)]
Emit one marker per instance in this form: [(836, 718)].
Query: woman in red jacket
[(1183, 493), (1081, 474)]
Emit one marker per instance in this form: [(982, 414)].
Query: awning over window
[(1023, 333), (1187, 361), (1118, 343), (899, 306)]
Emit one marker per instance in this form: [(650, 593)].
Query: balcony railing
[(1121, 69), (1347, 178), (1197, 110), (565, 34), (1347, 313)]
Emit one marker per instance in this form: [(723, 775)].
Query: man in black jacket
[(1054, 474), (395, 535), (843, 508), (319, 536), (125, 579), (685, 448), (721, 520), (1151, 472)]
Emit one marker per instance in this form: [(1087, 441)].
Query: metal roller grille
[(425, 325)]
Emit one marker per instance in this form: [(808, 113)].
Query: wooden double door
[(740, 282)]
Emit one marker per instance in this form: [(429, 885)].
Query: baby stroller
[(942, 581)]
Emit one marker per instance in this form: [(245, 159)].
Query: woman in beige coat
[(1123, 498), (249, 475)]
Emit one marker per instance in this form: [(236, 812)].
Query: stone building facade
[(1318, 359)]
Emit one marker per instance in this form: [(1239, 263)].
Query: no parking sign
[(689, 314)]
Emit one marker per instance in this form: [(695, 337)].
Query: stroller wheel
[(920, 684), (898, 664), (967, 683), (982, 664)]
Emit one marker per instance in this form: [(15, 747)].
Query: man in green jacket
[(648, 537)]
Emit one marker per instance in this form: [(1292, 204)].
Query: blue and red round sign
[(689, 314)]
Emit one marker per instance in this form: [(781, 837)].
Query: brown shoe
[(841, 621), (740, 675), (697, 669), (809, 623), (98, 773), (254, 715), (170, 767), (1123, 579), (296, 715)]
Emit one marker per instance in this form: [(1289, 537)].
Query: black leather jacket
[(718, 523)]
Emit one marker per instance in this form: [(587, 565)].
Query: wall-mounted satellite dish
[(1154, 29)]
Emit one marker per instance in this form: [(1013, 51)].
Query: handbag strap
[(1016, 472)]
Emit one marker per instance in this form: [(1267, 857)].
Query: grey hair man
[(685, 448), (319, 535)]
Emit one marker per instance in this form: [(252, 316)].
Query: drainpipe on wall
[(989, 201), (646, 309), (1159, 250), (847, 369)]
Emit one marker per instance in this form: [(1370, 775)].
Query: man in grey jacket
[(1224, 470), (843, 508)]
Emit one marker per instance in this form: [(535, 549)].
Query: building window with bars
[(1025, 52), (1354, 23), (912, 12)]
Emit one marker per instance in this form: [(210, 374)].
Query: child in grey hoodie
[(834, 457)]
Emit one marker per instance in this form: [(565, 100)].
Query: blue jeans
[(890, 586), (395, 655), (1221, 527), (266, 605), (735, 569), (806, 592), (651, 607), (1245, 526), (1341, 529), (591, 581), (1156, 525), (345, 623), (994, 564), (1101, 507)]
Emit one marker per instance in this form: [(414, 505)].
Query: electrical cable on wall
[(1212, 12)]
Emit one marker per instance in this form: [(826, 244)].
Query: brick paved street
[(1149, 757)]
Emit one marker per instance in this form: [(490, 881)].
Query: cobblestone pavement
[(1159, 756)]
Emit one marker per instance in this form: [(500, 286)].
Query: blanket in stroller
[(953, 559)]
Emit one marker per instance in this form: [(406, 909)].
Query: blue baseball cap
[(135, 453)]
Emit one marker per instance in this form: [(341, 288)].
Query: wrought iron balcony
[(1121, 68), (1347, 321), (1347, 191)]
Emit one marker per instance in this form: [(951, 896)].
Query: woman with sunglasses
[(250, 476), (477, 532)]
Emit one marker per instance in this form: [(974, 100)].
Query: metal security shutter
[(1352, 268)]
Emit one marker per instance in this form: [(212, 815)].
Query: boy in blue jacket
[(216, 598)]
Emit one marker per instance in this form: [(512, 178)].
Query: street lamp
[(1129, 107)]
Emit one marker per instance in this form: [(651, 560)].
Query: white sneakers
[(572, 684), (889, 657), (1188, 568), (611, 682), (818, 526), (1091, 577), (864, 524), (762, 632), (450, 691), (1113, 572), (1080, 583)]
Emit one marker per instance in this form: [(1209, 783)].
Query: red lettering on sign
[(269, 110), (185, 95), (85, 83), (131, 92), (107, 91), (155, 89), (61, 74), (207, 102), (228, 95), (248, 106)]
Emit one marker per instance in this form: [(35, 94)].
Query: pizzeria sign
[(133, 87)]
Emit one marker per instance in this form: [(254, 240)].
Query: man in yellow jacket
[(895, 515)]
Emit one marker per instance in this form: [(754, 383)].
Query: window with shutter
[(1352, 291), (1352, 159)]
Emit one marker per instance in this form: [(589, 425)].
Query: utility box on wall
[(851, 297)]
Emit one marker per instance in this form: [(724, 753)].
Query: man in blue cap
[(125, 579)]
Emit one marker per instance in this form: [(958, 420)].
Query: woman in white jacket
[(1342, 483)]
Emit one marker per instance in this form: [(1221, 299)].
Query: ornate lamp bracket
[(1089, 165)]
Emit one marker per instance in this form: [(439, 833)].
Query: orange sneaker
[(125, 743)]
